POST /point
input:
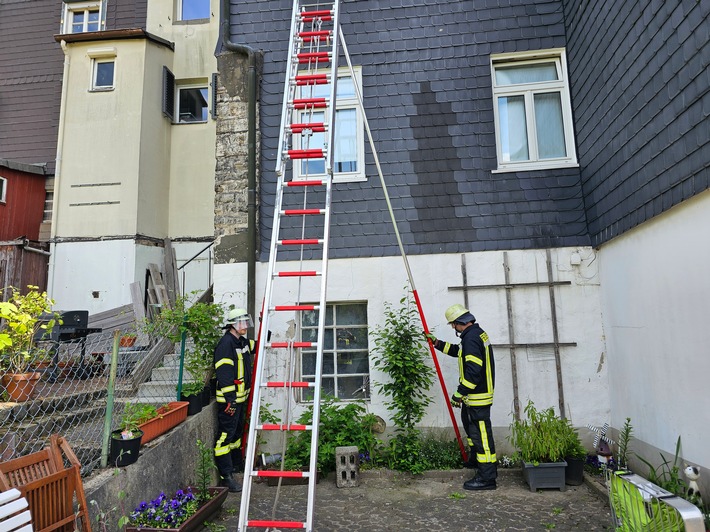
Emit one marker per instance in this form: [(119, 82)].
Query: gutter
[(250, 53)]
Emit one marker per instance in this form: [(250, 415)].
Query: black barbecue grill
[(74, 326)]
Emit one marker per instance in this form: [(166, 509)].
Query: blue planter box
[(545, 475)]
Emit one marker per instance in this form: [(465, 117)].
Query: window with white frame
[(80, 17), (192, 104), (532, 110), (102, 74), (193, 9), (3, 189), (349, 142), (346, 360)]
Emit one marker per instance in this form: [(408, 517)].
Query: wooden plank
[(160, 290), (170, 269)]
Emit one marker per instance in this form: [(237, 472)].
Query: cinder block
[(347, 467)]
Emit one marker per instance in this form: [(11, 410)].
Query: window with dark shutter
[(214, 96), (168, 93)]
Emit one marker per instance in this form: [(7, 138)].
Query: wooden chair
[(50, 480), (14, 515)]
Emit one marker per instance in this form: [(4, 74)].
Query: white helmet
[(238, 318)]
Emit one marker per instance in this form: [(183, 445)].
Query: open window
[(532, 110)]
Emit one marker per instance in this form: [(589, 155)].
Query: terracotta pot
[(168, 417), (127, 341), (20, 386)]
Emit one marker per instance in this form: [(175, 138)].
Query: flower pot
[(124, 451), (574, 472), (127, 341), (194, 405), (203, 513), (168, 417), (545, 475), (206, 396), (20, 386)]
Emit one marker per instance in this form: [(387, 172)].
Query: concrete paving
[(436, 501)]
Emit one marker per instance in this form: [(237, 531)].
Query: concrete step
[(169, 374)]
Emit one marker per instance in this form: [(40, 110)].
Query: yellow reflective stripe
[(220, 399), (223, 361), (467, 384), (478, 399), (252, 345), (226, 389), (220, 448), (489, 373), (236, 445), (474, 359), (487, 457), (447, 347)]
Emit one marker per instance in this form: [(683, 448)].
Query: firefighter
[(474, 394), (233, 358)]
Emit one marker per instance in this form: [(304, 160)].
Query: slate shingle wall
[(31, 65), (641, 97), (126, 14), (426, 85)]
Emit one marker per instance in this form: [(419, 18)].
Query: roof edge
[(110, 35)]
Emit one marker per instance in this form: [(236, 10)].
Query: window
[(3, 189), (102, 78), (192, 106), (80, 17), (349, 143), (346, 363), (193, 9), (533, 115), (192, 102), (48, 206)]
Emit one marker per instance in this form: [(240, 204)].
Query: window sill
[(191, 21), (103, 89), (191, 122), (534, 167)]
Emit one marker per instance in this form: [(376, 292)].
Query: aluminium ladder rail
[(306, 149)]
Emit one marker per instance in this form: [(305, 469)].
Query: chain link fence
[(70, 388)]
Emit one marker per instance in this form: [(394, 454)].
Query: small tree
[(400, 352)]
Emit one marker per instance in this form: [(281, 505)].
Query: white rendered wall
[(655, 293), (382, 280)]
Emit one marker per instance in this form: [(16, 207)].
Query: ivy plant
[(400, 352)]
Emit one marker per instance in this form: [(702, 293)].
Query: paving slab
[(435, 501)]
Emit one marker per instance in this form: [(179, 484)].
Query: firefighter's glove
[(430, 337), (456, 400), (231, 408)]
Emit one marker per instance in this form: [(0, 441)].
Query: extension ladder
[(304, 169)]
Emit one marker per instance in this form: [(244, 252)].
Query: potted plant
[(127, 339), (126, 440), (188, 508), (156, 421), (575, 456), (541, 442), (24, 315), (192, 393)]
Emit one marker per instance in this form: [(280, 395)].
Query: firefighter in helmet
[(474, 394), (233, 358)]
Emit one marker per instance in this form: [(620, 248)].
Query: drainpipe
[(250, 53)]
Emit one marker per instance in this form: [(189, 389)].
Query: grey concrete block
[(347, 467)]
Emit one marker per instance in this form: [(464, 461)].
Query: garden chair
[(14, 513)]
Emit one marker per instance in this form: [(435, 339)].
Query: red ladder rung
[(309, 36), (300, 212), (307, 57), (316, 127), (279, 308), (300, 241), (273, 426), (310, 16), (305, 183), (311, 79), (294, 384), (275, 524), (306, 154), (305, 103), (307, 273), (283, 474), (282, 345)]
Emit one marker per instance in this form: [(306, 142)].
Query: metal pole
[(183, 336), (109, 400), (401, 248)]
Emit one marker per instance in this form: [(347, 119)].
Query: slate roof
[(426, 86)]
